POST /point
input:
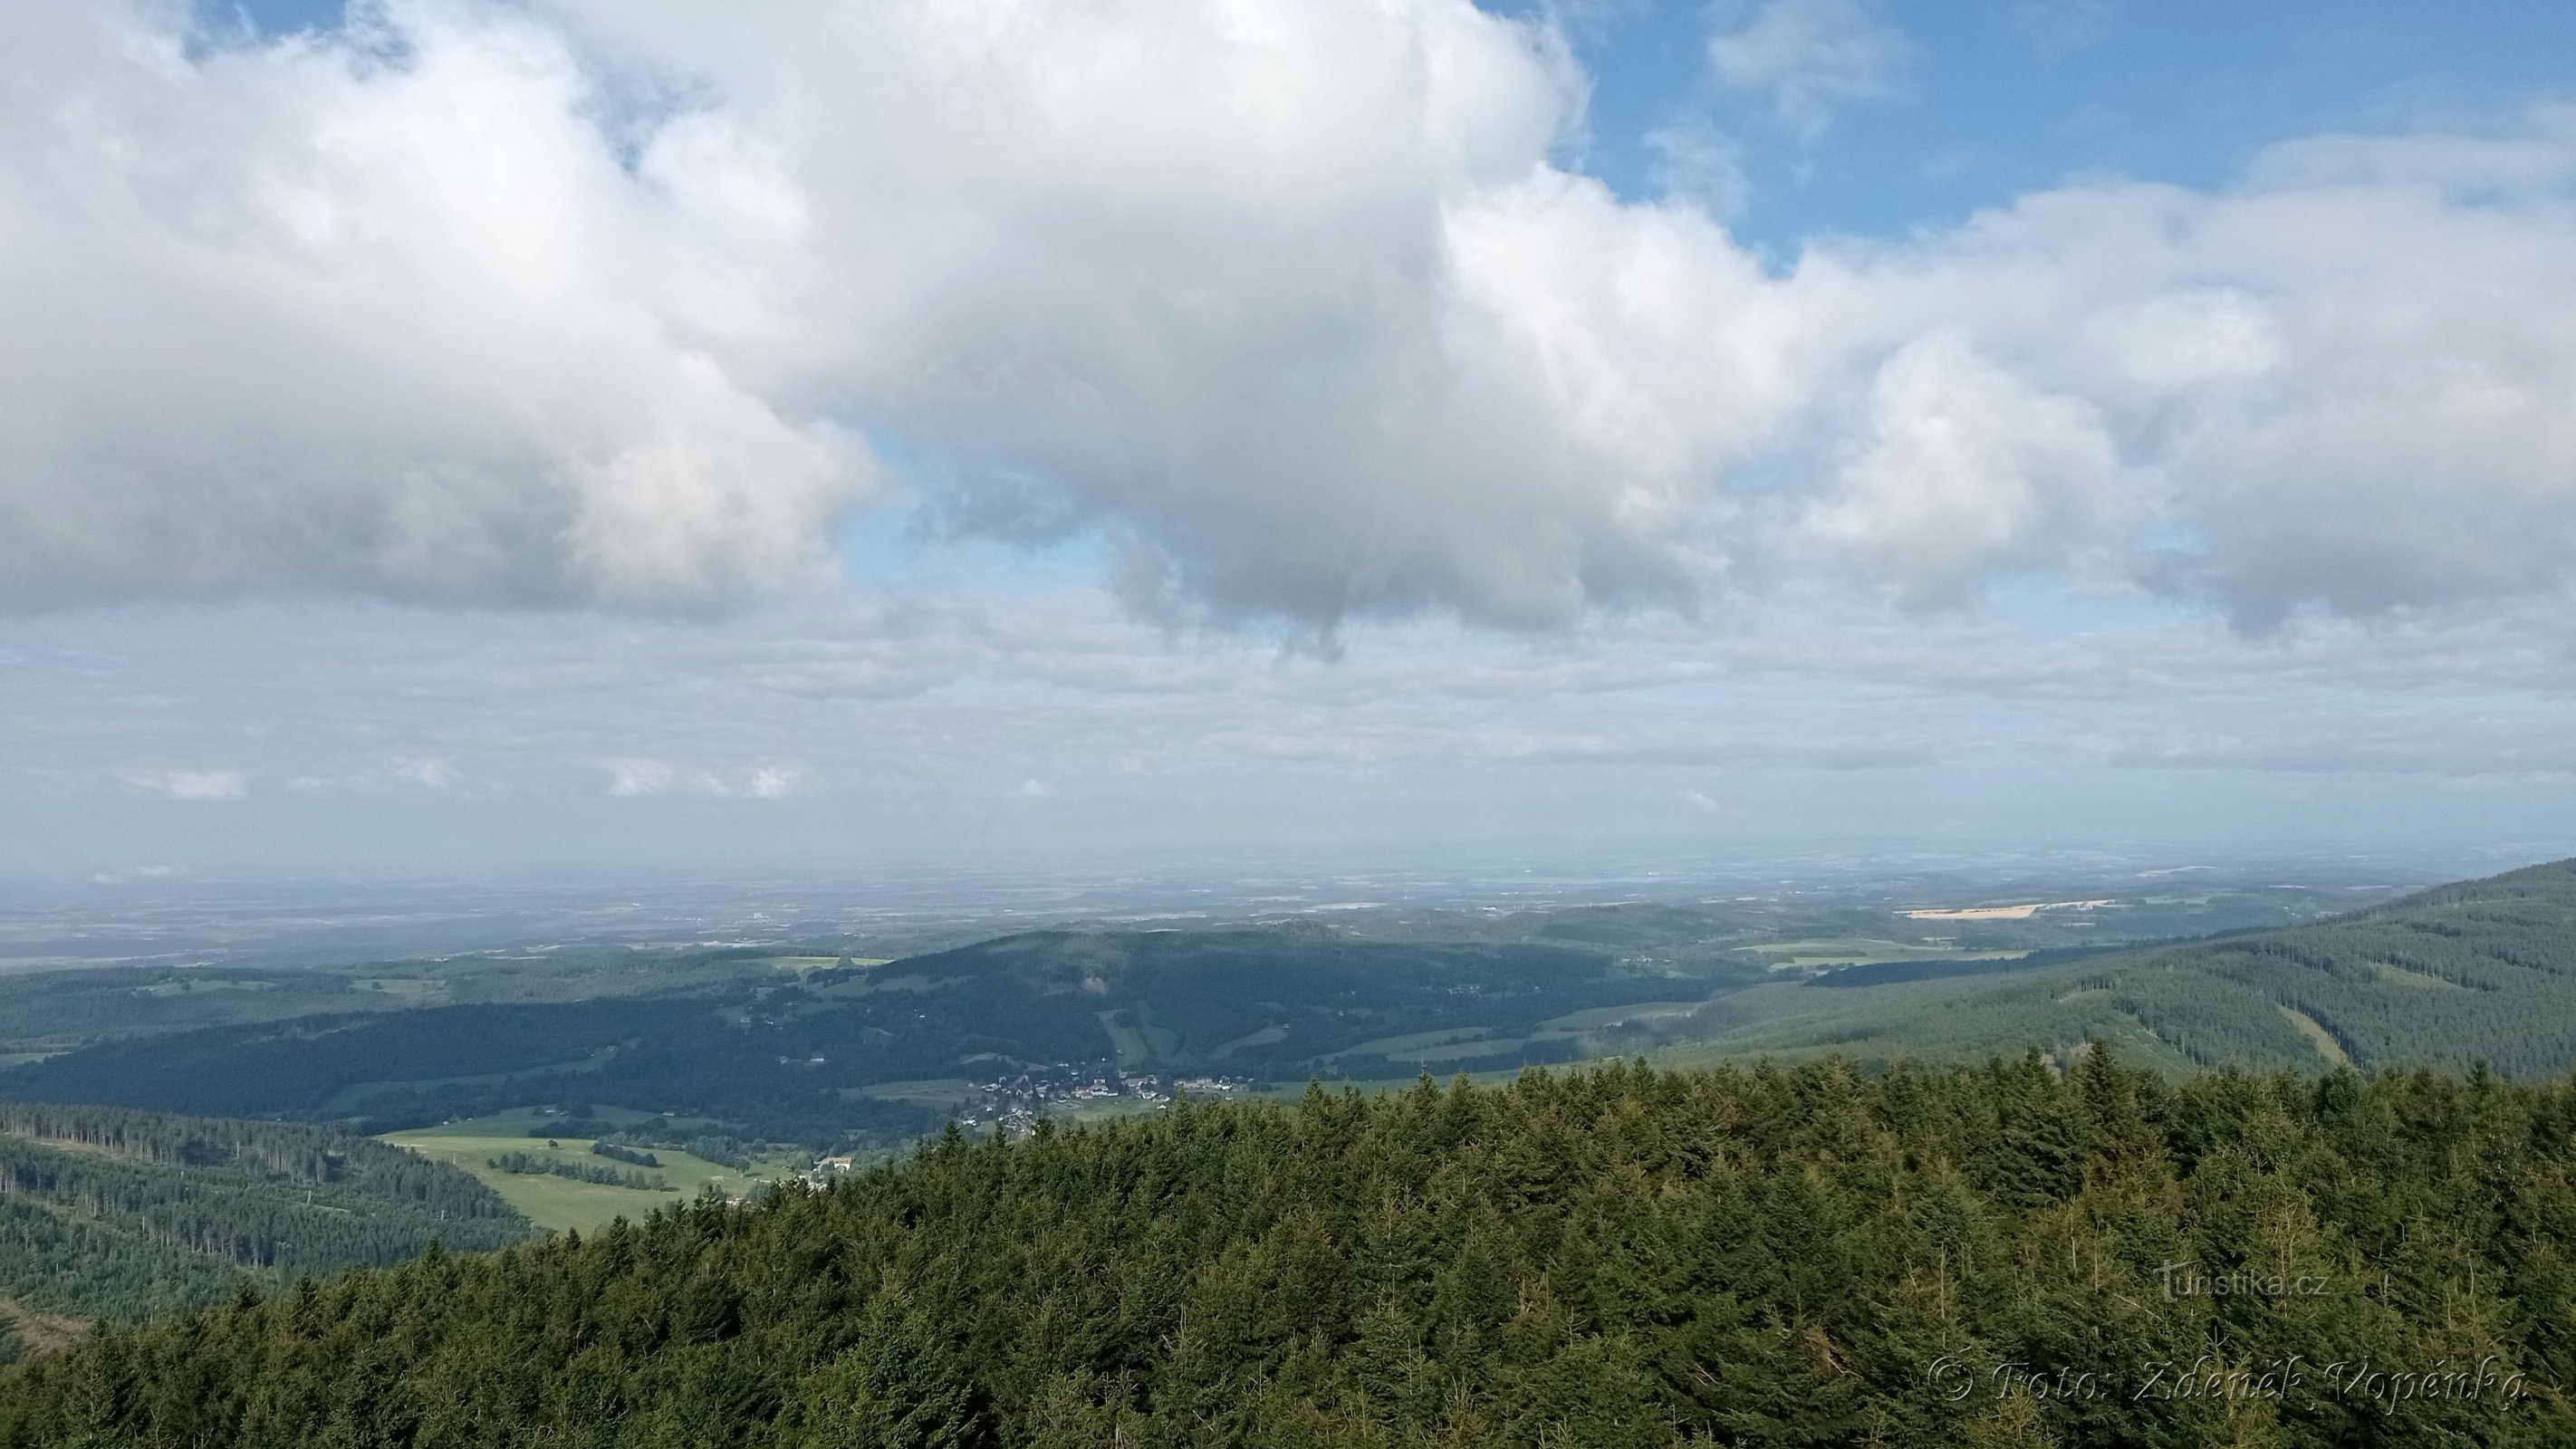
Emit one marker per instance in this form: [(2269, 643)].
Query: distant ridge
[(2479, 973)]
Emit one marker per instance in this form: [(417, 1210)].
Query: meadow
[(563, 1204)]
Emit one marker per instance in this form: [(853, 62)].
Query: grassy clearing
[(934, 1093), (517, 1121), (1461, 1050), (803, 964), (1415, 1042), (2396, 975), (39, 1331), (1266, 1036), (1862, 951), (401, 985), (2317, 1036), (1431, 1049), (1126, 1042), (1602, 1016), (559, 1202)]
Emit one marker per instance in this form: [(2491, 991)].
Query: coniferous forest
[(2003, 1255), (118, 1215)]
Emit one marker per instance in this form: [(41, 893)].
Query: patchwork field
[(560, 1202)]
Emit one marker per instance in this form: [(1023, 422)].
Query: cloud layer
[(611, 303)]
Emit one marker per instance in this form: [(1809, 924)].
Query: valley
[(751, 1061)]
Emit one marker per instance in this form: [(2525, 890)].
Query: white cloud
[(1959, 468), (428, 772), (1286, 300), (140, 872), (637, 777), (1808, 59), (194, 785), (300, 313)]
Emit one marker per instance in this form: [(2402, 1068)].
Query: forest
[(119, 1215), (1995, 1255), (531, 1163)]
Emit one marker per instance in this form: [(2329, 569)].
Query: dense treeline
[(107, 1213), (308, 1155), (1621, 1257), (538, 1164)]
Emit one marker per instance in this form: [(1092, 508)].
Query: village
[(1013, 1105)]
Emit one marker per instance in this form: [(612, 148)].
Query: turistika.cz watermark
[(1956, 1378), (2185, 1280)]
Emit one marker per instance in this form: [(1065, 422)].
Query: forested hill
[(1995, 1256), (2478, 973), (111, 1214)]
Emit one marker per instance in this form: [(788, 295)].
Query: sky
[(564, 436)]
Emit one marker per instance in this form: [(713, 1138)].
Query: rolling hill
[(2482, 972), (119, 1215)]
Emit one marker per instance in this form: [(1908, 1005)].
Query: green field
[(1861, 951), (415, 986), (1606, 1016), (1413, 1044), (189, 984), (802, 964), (559, 1202), (938, 1093), (1266, 1036), (1127, 1043)]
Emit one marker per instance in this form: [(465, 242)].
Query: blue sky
[(1299, 424), (1991, 100)]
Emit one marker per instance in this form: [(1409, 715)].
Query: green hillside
[(1994, 1256), (118, 1215), (2480, 972)]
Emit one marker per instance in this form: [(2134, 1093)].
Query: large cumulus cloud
[(372, 312), (605, 302)]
